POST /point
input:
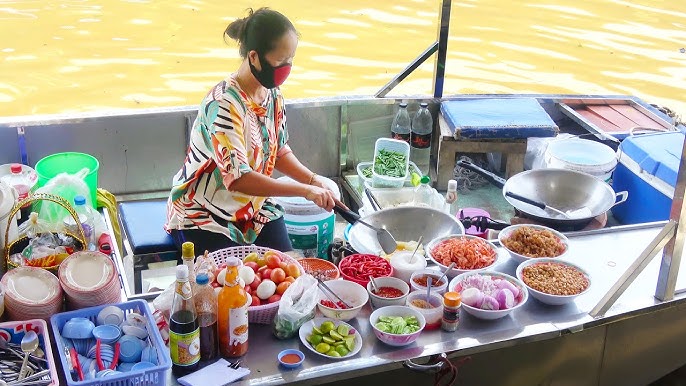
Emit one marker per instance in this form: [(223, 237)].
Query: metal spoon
[(445, 273), (374, 287), (29, 344), (419, 242), (428, 289)]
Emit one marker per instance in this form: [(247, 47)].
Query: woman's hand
[(319, 182), (323, 197)]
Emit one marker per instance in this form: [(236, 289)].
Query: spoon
[(428, 289), (374, 287), (419, 242), (446, 272), (29, 344)]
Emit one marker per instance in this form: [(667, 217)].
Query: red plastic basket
[(263, 314)]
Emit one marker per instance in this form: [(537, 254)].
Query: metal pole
[(671, 257), (407, 71), (634, 270), (439, 64)]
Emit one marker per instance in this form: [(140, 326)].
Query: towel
[(216, 374)]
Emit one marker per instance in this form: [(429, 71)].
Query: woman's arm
[(256, 184), (289, 165)]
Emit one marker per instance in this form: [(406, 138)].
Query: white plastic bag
[(67, 186), (297, 306)]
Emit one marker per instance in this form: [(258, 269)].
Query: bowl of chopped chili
[(391, 292), (350, 292), (358, 267)]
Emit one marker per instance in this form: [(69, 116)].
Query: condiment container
[(431, 309), (404, 267), (451, 311)]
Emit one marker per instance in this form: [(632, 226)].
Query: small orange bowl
[(320, 268)]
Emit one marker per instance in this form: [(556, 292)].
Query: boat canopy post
[(671, 238), (440, 46)]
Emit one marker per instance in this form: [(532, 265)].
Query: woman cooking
[(220, 197)]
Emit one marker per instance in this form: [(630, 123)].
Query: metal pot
[(566, 190), (405, 223)]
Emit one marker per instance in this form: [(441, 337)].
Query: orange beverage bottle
[(232, 314)]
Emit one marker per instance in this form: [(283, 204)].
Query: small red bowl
[(358, 267)]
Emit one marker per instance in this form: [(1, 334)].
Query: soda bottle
[(86, 219), (422, 127), (232, 314), (206, 309), (184, 334), (20, 183), (401, 127)]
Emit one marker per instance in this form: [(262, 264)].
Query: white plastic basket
[(413, 168), (263, 314), (397, 146)]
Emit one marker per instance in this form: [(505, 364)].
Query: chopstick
[(326, 288)]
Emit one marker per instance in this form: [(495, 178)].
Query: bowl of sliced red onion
[(489, 295)]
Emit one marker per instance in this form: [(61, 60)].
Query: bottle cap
[(80, 200), (202, 278), (424, 104), (425, 179), (232, 262), (403, 105), (452, 299), (15, 168), (187, 249), (452, 186), (181, 272)]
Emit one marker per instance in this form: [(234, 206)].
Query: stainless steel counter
[(605, 255)]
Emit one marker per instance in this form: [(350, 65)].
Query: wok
[(566, 190), (405, 223)]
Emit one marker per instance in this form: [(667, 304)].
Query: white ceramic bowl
[(457, 270), (490, 314), (378, 301), (548, 298), (402, 271), (351, 292), (519, 258), (396, 339), (432, 315), (435, 275)]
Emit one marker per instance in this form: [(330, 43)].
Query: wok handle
[(348, 215), (490, 177), (623, 196), (526, 200)]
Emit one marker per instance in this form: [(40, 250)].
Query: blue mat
[(502, 118)]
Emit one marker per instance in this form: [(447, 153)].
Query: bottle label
[(421, 141), (238, 326), (183, 289), (184, 349), (401, 137), (451, 316)]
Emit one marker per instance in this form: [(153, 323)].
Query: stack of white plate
[(89, 278), (31, 293)]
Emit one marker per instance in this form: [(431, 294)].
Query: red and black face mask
[(270, 76)]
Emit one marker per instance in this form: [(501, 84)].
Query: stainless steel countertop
[(605, 255)]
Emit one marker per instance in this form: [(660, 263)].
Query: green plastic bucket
[(71, 163)]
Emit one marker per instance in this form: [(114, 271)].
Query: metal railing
[(440, 47)]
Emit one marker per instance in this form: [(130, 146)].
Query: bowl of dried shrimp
[(469, 253), (527, 241)]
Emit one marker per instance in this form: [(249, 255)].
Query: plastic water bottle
[(20, 183), (422, 127), (401, 127), (86, 219), (423, 193)]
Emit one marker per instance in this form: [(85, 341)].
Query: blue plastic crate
[(147, 377)]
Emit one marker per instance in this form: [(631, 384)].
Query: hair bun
[(236, 30)]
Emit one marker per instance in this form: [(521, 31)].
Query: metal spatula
[(385, 239), (570, 214)]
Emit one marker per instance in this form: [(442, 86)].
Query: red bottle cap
[(15, 168)]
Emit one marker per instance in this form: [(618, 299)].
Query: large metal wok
[(566, 190), (405, 223)]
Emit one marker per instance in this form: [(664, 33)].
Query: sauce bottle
[(184, 334), (206, 308), (188, 259), (232, 314)]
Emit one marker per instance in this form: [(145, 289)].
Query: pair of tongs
[(372, 199), (327, 291)]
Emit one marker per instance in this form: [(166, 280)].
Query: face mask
[(270, 76)]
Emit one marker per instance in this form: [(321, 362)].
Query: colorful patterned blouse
[(231, 136)]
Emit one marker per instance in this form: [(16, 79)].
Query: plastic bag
[(66, 186), (297, 306), (33, 227)]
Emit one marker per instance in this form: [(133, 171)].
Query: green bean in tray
[(390, 163), (367, 172)]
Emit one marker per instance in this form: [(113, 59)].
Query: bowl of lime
[(330, 338)]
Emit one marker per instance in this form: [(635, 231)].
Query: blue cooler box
[(647, 169)]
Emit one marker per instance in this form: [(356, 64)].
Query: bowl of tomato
[(358, 267), (391, 291)]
